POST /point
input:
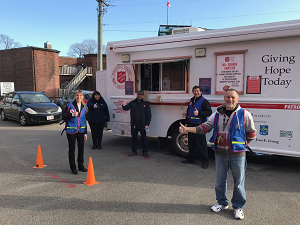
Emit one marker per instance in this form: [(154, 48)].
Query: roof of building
[(33, 48)]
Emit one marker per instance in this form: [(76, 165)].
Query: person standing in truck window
[(140, 117), (197, 112)]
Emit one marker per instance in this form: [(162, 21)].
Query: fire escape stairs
[(74, 83)]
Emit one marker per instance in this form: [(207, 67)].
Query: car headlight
[(30, 111), (59, 109)]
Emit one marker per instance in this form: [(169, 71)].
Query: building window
[(164, 77)]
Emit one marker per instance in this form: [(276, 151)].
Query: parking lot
[(158, 190)]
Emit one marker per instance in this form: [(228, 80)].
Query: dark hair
[(197, 86), (140, 92), (97, 93)]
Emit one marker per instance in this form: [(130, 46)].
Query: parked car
[(29, 107), (62, 102)]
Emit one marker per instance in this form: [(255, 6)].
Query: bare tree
[(76, 50), (7, 43), (87, 46)]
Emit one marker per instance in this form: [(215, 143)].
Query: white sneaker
[(218, 207), (238, 214)]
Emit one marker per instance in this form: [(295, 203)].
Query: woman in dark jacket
[(97, 116)]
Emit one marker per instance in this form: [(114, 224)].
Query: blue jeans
[(238, 167)]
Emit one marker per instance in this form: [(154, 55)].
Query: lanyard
[(225, 124)]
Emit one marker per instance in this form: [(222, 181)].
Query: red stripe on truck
[(243, 105)]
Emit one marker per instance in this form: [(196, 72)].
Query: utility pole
[(100, 15)]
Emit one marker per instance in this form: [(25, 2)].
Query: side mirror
[(16, 103)]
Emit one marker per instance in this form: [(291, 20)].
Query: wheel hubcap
[(22, 120), (182, 142)]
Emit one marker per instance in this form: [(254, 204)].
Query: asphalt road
[(158, 190)]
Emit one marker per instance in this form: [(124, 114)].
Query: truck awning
[(157, 60)]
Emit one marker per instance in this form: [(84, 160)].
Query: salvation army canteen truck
[(262, 62)]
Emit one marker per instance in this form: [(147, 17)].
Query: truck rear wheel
[(180, 143)]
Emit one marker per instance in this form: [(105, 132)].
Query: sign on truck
[(262, 62)]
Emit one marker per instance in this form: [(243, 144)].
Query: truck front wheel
[(180, 143)]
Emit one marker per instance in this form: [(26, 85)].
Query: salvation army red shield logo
[(119, 75), (226, 87), (227, 59)]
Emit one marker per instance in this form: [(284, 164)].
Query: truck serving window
[(164, 77), (150, 77)]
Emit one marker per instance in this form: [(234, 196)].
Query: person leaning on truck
[(197, 112), (233, 129), (140, 117)]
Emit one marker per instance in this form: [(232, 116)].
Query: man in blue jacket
[(140, 117), (197, 112)]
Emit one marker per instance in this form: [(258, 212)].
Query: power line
[(133, 31), (152, 3), (209, 18)]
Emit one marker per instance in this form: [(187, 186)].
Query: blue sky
[(65, 22)]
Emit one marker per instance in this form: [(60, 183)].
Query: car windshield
[(34, 98)]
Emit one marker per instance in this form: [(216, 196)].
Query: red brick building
[(41, 69), (31, 69)]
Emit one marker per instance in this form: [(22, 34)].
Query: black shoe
[(83, 169), (132, 154), (188, 161), (94, 147), (145, 154), (99, 147), (75, 172), (204, 166)]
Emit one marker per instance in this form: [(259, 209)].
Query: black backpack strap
[(64, 128)]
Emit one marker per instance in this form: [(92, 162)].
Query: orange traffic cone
[(39, 159), (90, 177)]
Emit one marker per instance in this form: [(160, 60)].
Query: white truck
[(262, 62)]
